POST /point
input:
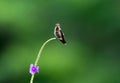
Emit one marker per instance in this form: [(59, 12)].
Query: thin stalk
[(39, 54)]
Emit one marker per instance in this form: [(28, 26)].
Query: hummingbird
[(59, 34)]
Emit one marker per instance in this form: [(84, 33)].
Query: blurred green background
[(92, 31)]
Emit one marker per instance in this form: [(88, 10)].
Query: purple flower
[(34, 69)]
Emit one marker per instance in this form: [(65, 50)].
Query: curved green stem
[(39, 54), (41, 49)]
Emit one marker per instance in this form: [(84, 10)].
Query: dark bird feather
[(59, 34)]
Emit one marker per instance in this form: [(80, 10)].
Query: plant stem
[(39, 54), (32, 77)]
